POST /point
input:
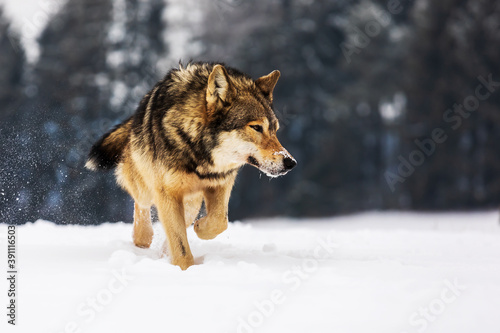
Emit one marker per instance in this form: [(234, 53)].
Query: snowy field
[(376, 272)]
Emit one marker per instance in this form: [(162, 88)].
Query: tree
[(456, 42), (88, 74), (328, 102), (12, 60), (12, 187)]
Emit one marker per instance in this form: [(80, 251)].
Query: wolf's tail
[(107, 152)]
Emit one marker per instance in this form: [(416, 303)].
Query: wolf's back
[(107, 151)]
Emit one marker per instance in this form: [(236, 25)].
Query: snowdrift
[(375, 272)]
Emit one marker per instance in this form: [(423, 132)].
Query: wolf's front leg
[(216, 200), (171, 214)]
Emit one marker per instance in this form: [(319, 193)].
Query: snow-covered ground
[(374, 272)]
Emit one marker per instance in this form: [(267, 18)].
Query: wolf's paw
[(143, 237), (143, 244), (208, 228)]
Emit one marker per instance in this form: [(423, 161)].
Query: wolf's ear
[(219, 88), (266, 83)]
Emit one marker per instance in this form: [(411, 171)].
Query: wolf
[(185, 144)]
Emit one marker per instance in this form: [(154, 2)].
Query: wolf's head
[(242, 109)]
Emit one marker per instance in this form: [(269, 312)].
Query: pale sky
[(28, 18)]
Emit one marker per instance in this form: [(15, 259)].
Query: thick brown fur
[(185, 144)]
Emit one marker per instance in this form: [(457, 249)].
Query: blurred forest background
[(365, 85)]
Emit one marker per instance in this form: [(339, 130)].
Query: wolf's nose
[(289, 163)]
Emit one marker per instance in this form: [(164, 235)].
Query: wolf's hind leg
[(192, 205), (143, 228)]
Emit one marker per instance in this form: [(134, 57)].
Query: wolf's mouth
[(253, 161), (272, 172), (275, 174)]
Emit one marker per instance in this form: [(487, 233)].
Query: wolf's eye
[(258, 128)]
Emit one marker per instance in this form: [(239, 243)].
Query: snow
[(374, 272), (116, 31), (184, 19)]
